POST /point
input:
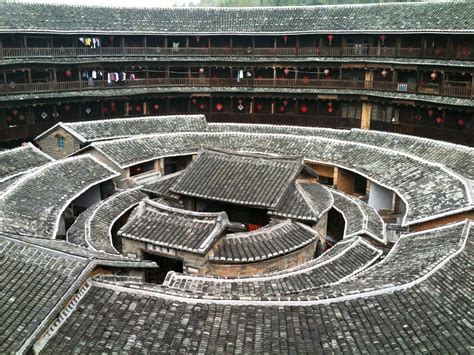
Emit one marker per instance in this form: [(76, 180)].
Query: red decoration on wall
[(202, 106), (219, 106), (330, 38), (68, 73), (430, 112), (330, 107), (438, 120), (461, 122), (259, 107), (304, 108), (193, 101)]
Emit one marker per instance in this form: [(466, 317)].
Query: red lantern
[(201, 70), (259, 107), (438, 120), (461, 122), (430, 112), (384, 73), (202, 106), (286, 71), (193, 101), (68, 73), (330, 107), (156, 107), (285, 38), (330, 38), (219, 106), (305, 80), (326, 72), (105, 109), (433, 75), (281, 108), (138, 107), (304, 109), (382, 38)]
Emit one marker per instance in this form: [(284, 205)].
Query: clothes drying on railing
[(116, 77), (93, 74), (92, 42)]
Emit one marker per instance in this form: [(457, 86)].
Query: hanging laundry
[(132, 76), (90, 81), (97, 42), (109, 78), (85, 75), (88, 42), (82, 40), (94, 74)]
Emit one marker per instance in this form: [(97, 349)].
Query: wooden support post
[(366, 112)]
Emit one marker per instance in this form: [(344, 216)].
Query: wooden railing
[(13, 88), (26, 53)]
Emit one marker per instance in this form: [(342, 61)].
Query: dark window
[(142, 168)]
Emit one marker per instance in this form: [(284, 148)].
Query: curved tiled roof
[(351, 257), (89, 131), (360, 218), (174, 228), (429, 17), (33, 205), (262, 244), (18, 161), (93, 227), (428, 189), (418, 300)]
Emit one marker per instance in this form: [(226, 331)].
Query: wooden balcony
[(153, 52), (457, 91)]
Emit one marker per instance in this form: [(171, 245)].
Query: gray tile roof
[(174, 228), (34, 204), (89, 131), (17, 161), (434, 17), (262, 244), (93, 227), (304, 201), (162, 186), (431, 314), (456, 157), (351, 257), (33, 281), (244, 179), (360, 218), (104, 93), (428, 189)]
